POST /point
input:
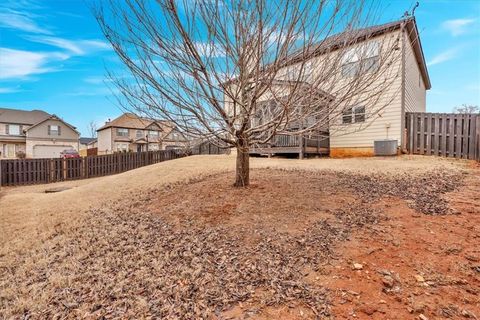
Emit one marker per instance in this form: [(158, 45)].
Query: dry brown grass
[(47, 243), (28, 215)]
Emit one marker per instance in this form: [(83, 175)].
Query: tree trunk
[(242, 176)]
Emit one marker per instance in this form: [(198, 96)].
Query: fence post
[(477, 138)]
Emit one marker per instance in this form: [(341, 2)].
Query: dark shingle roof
[(351, 37), (22, 116), (87, 140)]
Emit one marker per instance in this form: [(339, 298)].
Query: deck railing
[(281, 141), (320, 141), (296, 141)]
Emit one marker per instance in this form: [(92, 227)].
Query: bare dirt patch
[(276, 201), (281, 249), (413, 264)]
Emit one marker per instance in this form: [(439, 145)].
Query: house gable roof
[(27, 117), (337, 41), (53, 117), (84, 140), (132, 121)]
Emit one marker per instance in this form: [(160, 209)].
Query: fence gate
[(444, 134)]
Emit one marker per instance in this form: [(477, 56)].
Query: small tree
[(242, 71), (464, 108), (92, 129)]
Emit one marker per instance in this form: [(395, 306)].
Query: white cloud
[(76, 47), (208, 49), (457, 26), (443, 56), (9, 89), (20, 21), (279, 36), (19, 63)]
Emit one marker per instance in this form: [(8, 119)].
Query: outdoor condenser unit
[(385, 147)]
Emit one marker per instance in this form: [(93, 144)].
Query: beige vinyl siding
[(104, 138), (415, 92), (385, 112), (383, 116), (41, 131)]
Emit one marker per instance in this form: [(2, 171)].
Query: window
[(361, 59), (347, 116), (13, 129), (53, 130), (153, 147), (122, 147), (153, 134), (139, 134), (359, 114), (353, 115), (122, 132)]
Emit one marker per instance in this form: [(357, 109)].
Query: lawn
[(381, 238)]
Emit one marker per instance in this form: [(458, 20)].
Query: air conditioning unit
[(385, 147)]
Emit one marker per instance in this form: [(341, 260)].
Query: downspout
[(402, 112)]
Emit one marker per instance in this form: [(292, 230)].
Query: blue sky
[(53, 56)]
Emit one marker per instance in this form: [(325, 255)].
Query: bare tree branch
[(242, 71)]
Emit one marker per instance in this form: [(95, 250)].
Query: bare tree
[(466, 108), (242, 71), (92, 129)]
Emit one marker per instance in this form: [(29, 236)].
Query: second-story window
[(139, 134), (122, 132), (13, 129), (54, 130), (362, 59), (153, 134)]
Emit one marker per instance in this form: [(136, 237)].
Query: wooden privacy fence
[(32, 171), (444, 134), (209, 148)]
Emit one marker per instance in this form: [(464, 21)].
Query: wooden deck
[(294, 144)]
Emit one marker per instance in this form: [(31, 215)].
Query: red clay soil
[(294, 245), (413, 266), (276, 201), (410, 266)]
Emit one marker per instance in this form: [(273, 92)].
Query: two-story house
[(132, 133), (362, 120), (34, 134)]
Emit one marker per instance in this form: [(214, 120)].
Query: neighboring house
[(130, 132), (34, 134), (354, 132), (86, 145)]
